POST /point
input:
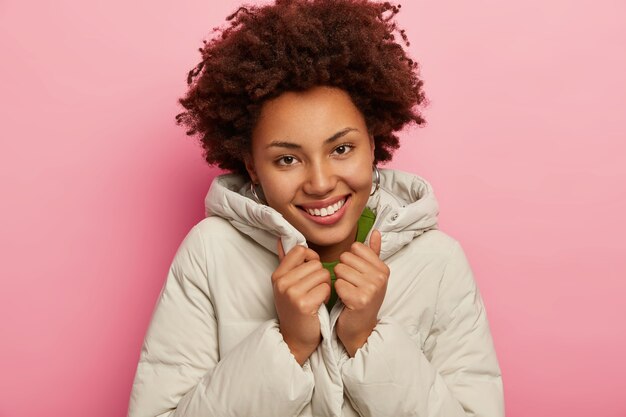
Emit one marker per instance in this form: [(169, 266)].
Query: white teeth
[(326, 211)]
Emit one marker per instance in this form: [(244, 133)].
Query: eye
[(343, 149), (286, 160)]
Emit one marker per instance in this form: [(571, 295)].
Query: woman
[(318, 285)]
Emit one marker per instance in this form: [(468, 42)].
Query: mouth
[(327, 213)]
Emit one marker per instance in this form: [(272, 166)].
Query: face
[(312, 156)]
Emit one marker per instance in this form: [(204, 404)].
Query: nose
[(321, 179)]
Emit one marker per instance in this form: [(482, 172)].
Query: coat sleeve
[(456, 375), (180, 371)]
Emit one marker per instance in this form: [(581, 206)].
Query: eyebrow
[(291, 145)]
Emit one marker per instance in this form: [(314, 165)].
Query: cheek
[(359, 175), (279, 189)]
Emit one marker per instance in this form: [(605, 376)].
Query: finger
[(296, 256), (365, 252), (320, 294), (375, 242), (299, 273), (306, 284), (345, 292), (281, 251), (349, 274), (352, 297), (311, 255), (354, 261)]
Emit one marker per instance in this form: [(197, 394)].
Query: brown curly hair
[(294, 45)]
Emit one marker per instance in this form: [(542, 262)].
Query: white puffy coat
[(214, 349)]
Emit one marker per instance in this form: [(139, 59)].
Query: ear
[(249, 162), (373, 147)]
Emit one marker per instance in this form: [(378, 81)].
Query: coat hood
[(405, 207)]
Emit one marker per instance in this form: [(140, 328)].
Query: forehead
[(311, 115)]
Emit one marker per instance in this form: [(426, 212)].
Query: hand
[(361, 284), (301, 284)]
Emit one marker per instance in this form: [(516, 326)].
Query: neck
[(331, 253)]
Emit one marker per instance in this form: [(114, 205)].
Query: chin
[(325, 242), (328, 237)]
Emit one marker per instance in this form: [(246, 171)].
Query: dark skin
[(312, 149), (361, 284)]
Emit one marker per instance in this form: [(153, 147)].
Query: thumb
[(375, 241), (281, 251)]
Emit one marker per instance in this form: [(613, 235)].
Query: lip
[(323, 203), (333, 218)]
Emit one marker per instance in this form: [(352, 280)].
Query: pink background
[(524, 147)]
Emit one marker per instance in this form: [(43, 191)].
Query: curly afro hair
[(294, 45)]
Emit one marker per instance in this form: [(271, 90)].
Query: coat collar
[(405, 207)]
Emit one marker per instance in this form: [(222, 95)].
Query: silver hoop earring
[(376, 180), (254, 194)]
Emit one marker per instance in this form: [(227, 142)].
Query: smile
[(328, 213)]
